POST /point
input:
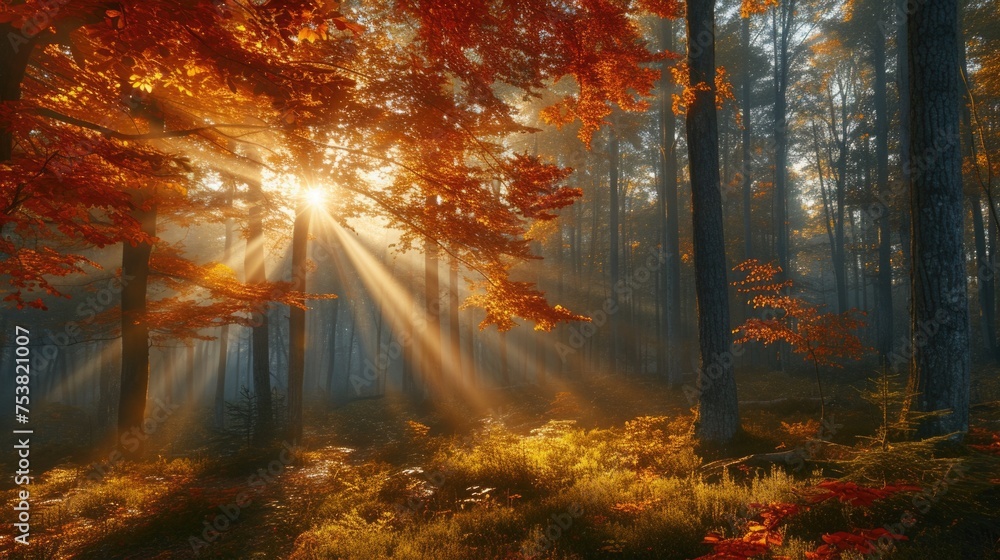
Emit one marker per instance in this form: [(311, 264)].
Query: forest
[(500, 279)]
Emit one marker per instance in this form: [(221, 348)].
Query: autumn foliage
[(823, 337), (765, 530), (126, 104)]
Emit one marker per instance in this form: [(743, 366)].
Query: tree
[(822, 337), (940, 370), (300, 75), (718, 406), (669, 213)]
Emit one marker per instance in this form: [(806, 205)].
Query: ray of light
[(407, 317)]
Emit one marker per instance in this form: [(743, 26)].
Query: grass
[(597, 469)]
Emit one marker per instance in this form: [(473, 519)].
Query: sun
[(314, 197)]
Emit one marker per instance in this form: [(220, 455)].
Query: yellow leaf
[(308, 34)]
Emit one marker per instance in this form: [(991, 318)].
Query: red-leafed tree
[(108, 106), (824, 338)]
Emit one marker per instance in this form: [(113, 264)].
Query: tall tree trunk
[(613, 241), (470, 350), (504, 365), (189, 377), (219, 407), (432, 306), (297, 324), (135, 332), (903, 79), (256, 274), (781, 36), (718, 412), (669, 212), (331, 373), (984, 280), (14, 56), (884, 300), (107, 399), (745, 101), (984, 273), (454, 334), (940, 371), (839, 255)]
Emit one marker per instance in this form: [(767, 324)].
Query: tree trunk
[(135, 332), (14, 57), (984, 278), (219, 407), (431, 360), (671, 228), (454, 334), (781, 37), (903, 69), (718, 412), (940, 371), (256, 274), (297, 324), (745, 97), (884, 299), (984, 273), (613, 241), (107, 399), (839, 254), (504, 367)]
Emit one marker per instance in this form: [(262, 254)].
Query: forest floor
[(602, 467)]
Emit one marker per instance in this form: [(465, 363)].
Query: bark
[(256, 274), (829, 221), (839, 254), (454, 334), (219, 408), (984, 281), (718, 411), (108, 396), (14, 57), (432, 305), (884, 280), (940, 370), (470, 350), (782, 31), (745, 97), (331, 373), (297, 325), (189, 368), (671, 228), (613, 241), (903, 69), (504, 366), (984, 274), (135, 332)]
